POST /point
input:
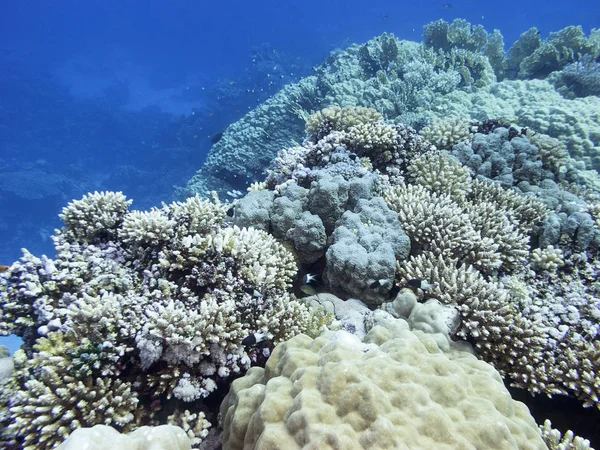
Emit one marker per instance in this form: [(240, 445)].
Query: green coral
[(535, 58)]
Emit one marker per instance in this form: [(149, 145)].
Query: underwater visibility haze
[(334, 224)]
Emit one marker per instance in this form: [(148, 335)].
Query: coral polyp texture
[(393, 389), (136, 309)]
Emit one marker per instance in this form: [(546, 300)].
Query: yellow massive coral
[(394, 389)]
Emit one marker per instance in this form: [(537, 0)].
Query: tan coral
[(437, 224), (394, 389), (340, 119), (526, 210)]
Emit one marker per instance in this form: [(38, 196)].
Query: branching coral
[(52, 401), (444, 134), (154, 307), (441, 174), (340, 119), (95, 217)]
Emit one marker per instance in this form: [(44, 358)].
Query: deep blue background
[(99, 94)]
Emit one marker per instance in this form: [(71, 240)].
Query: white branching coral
[(52, 402), (194, 425), (95, 217), (155, 308), (444, 134), (146, 227), (196, 215), (555, 440)]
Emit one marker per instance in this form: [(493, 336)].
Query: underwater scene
[(299, 225)]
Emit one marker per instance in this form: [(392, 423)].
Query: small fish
[(308, 290), (4, 268), (211, 114), (385, 17), (378, 283), (253, 293), (421, 284), (216, 137), (310, 278), (254, 338), (447, 5)]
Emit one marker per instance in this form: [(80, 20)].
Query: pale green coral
[(441, 174)]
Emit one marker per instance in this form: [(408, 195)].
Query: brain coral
[(395, 389)]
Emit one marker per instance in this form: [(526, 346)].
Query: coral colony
[(438, 200)]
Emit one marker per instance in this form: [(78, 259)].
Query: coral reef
[(138, 308), (481, 229)]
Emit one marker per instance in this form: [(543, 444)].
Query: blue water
[(106, 95)]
